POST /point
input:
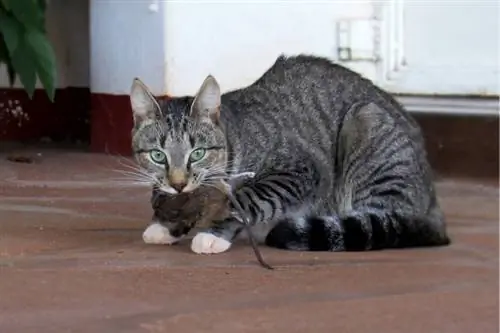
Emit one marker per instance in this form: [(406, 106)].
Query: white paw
[(206, 243), (158, 234)]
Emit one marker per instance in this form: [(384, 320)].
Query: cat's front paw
[(158, 234), (207, 243)]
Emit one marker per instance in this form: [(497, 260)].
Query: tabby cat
[(337, 163)]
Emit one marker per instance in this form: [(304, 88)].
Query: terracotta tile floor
[(72, 260)]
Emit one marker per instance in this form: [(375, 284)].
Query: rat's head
[(179, 143)]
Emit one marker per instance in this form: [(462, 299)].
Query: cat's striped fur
[(339, 163)]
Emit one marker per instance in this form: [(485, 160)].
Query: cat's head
[(179, 143)]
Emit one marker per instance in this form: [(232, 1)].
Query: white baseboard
[(451, 105)]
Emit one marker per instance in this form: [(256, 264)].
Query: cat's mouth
[(190, 187), (164, 188)]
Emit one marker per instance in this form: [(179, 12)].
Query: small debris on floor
[(20, 159)]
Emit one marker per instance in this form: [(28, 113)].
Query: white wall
[(451, 46), (236, 42), (127, 41)]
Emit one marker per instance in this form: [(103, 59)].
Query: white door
[(440, 47)]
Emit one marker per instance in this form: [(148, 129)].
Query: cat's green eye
[(158, 156), (197, 155)]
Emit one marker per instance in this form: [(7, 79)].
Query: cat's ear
[(144, 105), (206, 104)]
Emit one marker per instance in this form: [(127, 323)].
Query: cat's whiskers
[(136, 178), (133, 181), (224, 167), (216, 174), (132, 168), (138, 174), (124, 161)]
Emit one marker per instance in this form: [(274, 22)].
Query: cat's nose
[(177, 178), (179, 186)]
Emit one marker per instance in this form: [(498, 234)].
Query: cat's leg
[(159, 233), (266, 198), (164, 232), (217, 238)]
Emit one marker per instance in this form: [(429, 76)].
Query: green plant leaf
[(5, 58), (4, 53), (24, 66), (11, 73), (28, 12), (5, 4), (11, 31), (42, 4), (24, 47), (45, 60)]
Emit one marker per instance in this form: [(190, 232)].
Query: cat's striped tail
[(359, 231)]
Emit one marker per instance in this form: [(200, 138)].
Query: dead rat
[(201, 207)]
